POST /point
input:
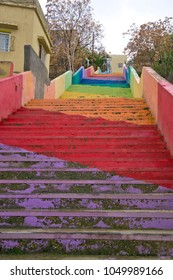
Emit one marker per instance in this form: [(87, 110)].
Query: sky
[(116, 16)]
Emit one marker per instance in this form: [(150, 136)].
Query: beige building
[(117, 62), (22, 22)]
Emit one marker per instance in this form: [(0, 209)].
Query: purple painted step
[(124, 219), (101, 242), (117, 186), (63, 205), (86, 201)]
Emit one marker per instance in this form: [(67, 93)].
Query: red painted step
[(101, 143)]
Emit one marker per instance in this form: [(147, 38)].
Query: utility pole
[(93, 49)]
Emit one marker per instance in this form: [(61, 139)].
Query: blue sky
[(116, 16)]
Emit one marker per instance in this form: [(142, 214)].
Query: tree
[(164, 66), (148, 42), (72, 28)]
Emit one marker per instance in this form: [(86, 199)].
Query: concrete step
[(103, 154), (102, 183), (78, 174), (81, 201), (83, 131), (136, 243), (158, 147), (87, 219), (80, 186)]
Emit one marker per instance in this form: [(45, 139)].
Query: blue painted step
[(100, 82)]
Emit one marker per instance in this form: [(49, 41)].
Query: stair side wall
[(158, 94), (15, 91)]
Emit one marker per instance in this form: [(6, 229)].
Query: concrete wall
[(15, 91), (23, 21), (43, 87), (33, 63), (39, 31)]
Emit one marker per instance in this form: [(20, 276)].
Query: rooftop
[(31, 4)]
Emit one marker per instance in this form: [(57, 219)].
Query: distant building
[(22, 22), (117, 62)]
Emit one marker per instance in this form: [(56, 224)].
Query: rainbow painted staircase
[(86, 174)]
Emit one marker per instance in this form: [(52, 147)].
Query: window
[(120, 65), (4, 42)]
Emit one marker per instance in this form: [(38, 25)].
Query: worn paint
[(103, 159), (6, 69), (74, 140)]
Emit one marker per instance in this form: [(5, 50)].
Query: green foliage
[(164, 66), (151, 44)]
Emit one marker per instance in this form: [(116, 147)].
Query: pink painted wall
[(159, 96), (165, 112), (49, 91), (88, 72), (28, 92), (10, 95), (150, 89), (15, 91)]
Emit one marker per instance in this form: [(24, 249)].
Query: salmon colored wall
[(165, 112), (88, 72), (15, 91), (150, 89), (10, 95), (28, 92), (49, 91), (158, 94)]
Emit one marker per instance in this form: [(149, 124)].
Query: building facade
[(117, 62), (22, 22)]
